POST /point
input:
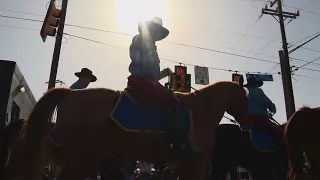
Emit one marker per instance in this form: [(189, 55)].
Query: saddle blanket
[(263, 141), (130, 116)]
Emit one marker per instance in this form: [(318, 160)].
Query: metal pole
[(287, 84), (285, 67), (57, 46)]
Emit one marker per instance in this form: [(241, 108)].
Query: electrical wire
[(213, 50), (310, 12), (207, 49), (95, 29), (166, 59)]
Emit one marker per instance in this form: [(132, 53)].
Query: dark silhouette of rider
[(85, 78), (259, 104), (145, 74)]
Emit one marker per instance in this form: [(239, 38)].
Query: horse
[(90, 127), (234, 147), (302, 142), (11, 149)]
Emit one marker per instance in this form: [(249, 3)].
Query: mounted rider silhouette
[(259, 104), (85, 78), (145, 74)]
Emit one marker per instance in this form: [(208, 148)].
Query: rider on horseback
[(145, 74), (85, 78), (259, 104)]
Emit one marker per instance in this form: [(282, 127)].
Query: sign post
[(201, 75)]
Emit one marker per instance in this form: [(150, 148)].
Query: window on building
[(15, 112)]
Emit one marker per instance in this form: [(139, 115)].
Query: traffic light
[(181, 81), (51, 22), (175, 82), (186, 82), (237, 78)]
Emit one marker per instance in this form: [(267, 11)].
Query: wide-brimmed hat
[(253, 81), (85, 72), (155, 28)]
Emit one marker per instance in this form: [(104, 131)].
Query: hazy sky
[(213, 24)]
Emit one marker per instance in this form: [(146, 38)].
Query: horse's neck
[(209, 102)]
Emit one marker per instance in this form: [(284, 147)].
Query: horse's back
[(90, 98)]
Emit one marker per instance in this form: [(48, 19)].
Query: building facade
[(16, 98)]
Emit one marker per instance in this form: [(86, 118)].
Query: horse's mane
[(210, 86)]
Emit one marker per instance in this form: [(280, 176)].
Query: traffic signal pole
[(284, 56), (57, 46)]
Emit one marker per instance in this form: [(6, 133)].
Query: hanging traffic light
[(180, 70), (186, 82), (51, 22), (238, 78), (175, 81), (180, 81)]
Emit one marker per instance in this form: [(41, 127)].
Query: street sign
[(201, 75), (261, 77)]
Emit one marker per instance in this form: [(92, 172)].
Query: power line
[(95, 29), (248, 31), (310, 12), (222, 52), (292, 50), (318, 78), (166, 59), (273, 67), (293, 43), (21, 12), (25, 19), (114, 32), (16, 27), (207, 49)]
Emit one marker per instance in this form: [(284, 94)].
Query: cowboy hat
[(253, 81), (155, 29), (85, 72)]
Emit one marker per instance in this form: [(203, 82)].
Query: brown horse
[(87, 134), (10, 146), (302, 138), (13, 147)]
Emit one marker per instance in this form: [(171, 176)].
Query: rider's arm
[(269, 104), (135, 47)]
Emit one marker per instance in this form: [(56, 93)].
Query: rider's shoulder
[(255, 90), (137, 38)]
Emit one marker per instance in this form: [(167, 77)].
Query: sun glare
[(130, 12)]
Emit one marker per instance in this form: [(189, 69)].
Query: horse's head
[(237, 105)]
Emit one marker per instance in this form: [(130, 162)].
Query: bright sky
[(213, 24)]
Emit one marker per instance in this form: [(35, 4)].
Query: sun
[(130, 12)]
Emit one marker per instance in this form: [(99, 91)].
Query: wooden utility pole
[(284, 55), (57, 46), (287, 84)]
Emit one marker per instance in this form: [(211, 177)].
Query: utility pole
[(57, 46), (284, 55)]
